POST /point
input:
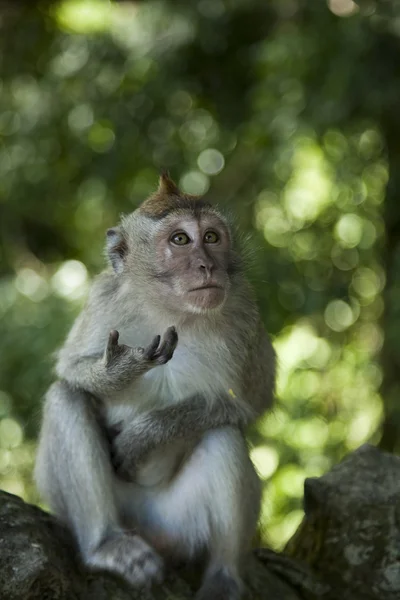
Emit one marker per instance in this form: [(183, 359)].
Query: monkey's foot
[(220, 586), (131, 557)]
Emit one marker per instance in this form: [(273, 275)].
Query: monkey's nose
[(206, 269)]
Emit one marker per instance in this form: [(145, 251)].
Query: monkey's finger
[(170, 339), (151, 348), (113, 337), (171, 336), (167, 347), (160, 355), (164, 354), (158, 352), (169, 343), (112, 345)]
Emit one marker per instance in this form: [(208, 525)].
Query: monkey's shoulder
[(103, 289)]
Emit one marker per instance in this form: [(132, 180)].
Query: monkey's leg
[(213, 502), (74, 475), (234, 496)]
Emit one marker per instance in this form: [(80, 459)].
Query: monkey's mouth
[(210, 286), (206, 297)]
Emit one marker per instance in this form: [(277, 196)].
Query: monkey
[(142, 450)]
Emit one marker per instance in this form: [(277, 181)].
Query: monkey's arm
[(258, 374), (89, 361), (186, 420), (118, 365)]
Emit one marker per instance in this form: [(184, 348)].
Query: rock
[(347, 547)]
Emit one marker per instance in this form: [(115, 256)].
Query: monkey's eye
[(180, 239), (210, 237)]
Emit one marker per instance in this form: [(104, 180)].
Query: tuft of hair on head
[(168, 198)]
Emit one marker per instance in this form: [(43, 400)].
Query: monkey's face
[(193, 255)]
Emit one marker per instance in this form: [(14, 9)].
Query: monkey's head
[(178, 248)]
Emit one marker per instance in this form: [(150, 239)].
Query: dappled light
[(258, 108), (343, 8)]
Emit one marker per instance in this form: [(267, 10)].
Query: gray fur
[(177, 477)]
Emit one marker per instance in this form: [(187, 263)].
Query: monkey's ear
[(166, 186), (117, 248)]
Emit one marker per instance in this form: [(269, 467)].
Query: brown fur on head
[(167, 198)]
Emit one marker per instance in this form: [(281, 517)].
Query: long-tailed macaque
[(142, 450)]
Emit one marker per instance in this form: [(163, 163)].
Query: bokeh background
[(286, 112)]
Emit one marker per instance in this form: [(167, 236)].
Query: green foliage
[(272, 109)]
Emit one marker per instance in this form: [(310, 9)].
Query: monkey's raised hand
[(160, 353), (118, 365), (123, 360)]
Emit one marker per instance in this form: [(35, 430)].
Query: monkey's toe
[(132, 558), (148, 568)]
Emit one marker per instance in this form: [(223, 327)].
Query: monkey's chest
[(189, 372)]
